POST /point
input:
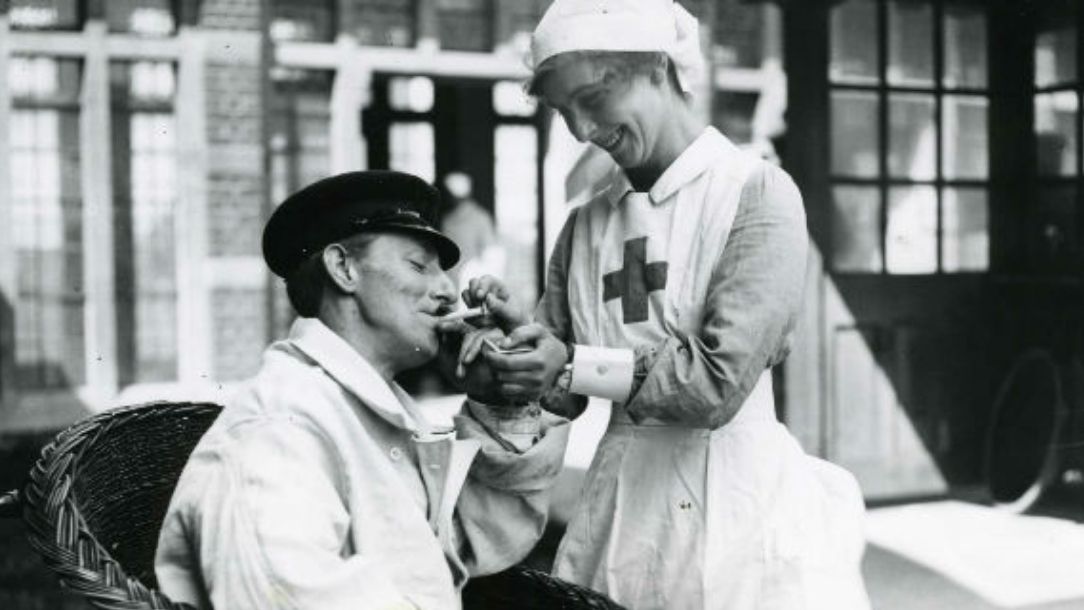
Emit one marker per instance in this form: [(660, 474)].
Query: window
[(465, 25), (412, 149), (411, 138), (517, 193), (909, 151), (48, 210), (145, 197), (308, 20), (144, 17), (516, 206), (386, 23), (1055, 219), (299, 141), (45, 14)]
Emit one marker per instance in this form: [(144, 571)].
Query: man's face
[(402, 293)]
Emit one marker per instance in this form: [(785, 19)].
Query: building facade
[(148, 140)]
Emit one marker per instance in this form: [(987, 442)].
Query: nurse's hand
[(528, 375), (505, 310)]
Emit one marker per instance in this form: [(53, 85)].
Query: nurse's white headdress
[(622, 25)]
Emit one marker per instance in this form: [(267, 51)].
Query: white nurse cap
[(622, 25)]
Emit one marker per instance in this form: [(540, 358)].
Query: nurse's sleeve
[(753, 303), (553, 312), (272, 529)]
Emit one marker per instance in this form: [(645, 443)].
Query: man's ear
[(339, 267)]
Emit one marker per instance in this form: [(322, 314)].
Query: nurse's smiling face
[(627, 112)]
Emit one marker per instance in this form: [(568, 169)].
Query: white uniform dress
[(698, 498)]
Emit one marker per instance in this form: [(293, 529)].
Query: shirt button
[(395, 453)]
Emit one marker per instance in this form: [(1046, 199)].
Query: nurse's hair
[(622, 65)]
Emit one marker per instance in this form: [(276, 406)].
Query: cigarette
[(473, 312)]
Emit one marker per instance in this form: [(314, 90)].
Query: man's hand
[(529, 375), (458, 361), (506, 311)]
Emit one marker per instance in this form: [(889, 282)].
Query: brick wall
[(236, 179), (236, 213), (240, 316), (230, 14)]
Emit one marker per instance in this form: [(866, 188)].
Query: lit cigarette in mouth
[(473, 312)]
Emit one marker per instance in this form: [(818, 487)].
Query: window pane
[(412, 93), (516, 175), (910, 42), (965, 135), (854, 42), (464, 25), (912, 136), (388, 23), (1055, 45), (145, 199), (965, 244), (148, 17), (45, 79), (411, 149), (1053, 233), (1055, 133), (856, 229), (44, 14), (47, 211), (309, 20), (911, 230), (509, 99), (855, 142), (965, 46)]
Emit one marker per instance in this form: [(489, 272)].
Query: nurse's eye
[(593, 100), (417, 266)]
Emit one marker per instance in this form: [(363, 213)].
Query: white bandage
[(605, 372), (622, 25)]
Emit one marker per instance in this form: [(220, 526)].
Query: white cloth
[(686, 518), (622, 25), (322, 486)]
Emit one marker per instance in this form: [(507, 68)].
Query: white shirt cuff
[(605, 372)]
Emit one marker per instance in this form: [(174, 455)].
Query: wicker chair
[(95, 500)]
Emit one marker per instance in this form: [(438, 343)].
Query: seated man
[(322, 485)]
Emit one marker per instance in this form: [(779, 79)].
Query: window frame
[(96, 48), (1042, 181), (884, 182)]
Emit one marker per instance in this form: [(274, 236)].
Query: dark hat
[(351, 203)]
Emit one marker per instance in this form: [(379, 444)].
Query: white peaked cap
[(622, 25)]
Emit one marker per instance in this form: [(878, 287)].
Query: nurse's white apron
[(682, 518)]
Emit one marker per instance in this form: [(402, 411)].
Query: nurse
[(672, 293)]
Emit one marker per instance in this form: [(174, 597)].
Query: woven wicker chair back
[(95, 500)]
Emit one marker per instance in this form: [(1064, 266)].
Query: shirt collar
[(352, 371), (693, 161)]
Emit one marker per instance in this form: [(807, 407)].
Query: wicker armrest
[(525, 588), (95, 500)]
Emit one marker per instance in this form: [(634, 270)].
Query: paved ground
[(896, 583)]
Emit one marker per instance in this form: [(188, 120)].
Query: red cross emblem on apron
[(634, 281)]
